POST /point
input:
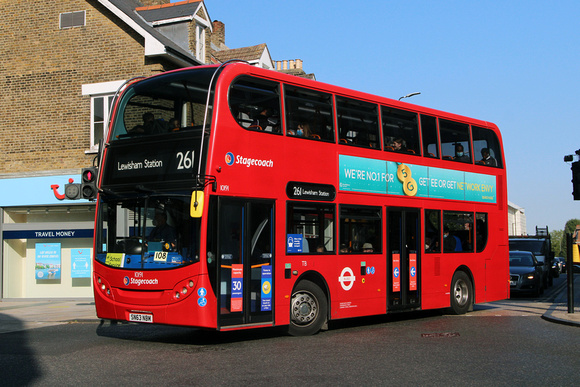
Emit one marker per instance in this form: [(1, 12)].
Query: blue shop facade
[(46, 241)]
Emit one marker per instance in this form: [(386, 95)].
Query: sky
[(514, 63)]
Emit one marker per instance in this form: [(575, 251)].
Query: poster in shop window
[(80, 263), (48, 261)]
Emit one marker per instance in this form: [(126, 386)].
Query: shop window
[(360, 228), (311, 227)]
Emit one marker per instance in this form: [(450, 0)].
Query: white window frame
[(200, 42), (98, 91)]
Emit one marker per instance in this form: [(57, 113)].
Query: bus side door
[(245, 261), (403, 258)]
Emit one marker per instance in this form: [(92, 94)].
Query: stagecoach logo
[(248, 161), (229, 158), (140, 281), (346, 278)]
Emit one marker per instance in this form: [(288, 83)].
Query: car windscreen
[(521, 260)]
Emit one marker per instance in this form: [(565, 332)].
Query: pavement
[(22, 314)]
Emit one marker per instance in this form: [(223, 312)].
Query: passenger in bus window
[(320, 248), (451, 243), (343, 248), (266, 121), (368, 248), (460, 155), (174, 125), (302, 131), (487, 159), (153, 126), (261, 120), (399, 145)]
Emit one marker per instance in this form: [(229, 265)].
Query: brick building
[(61, 64)]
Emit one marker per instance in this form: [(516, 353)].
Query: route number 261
[(185, 160)]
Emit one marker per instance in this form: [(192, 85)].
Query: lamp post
[(410, 95)]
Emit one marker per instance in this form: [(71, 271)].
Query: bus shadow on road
[(200, 337), (183, 335), (19, 364)]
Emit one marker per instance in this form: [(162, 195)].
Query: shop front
[(46, 241)]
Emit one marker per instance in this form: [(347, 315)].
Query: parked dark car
[(541, 247), (525, 273)]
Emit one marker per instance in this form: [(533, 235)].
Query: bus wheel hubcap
[(304, 308), (461, 292)]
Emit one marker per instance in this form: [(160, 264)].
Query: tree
[(570, 227), (557, 236)]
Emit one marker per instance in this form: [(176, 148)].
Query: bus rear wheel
[(308, 309), (461, 293)]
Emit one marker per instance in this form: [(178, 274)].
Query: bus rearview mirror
[(196, 208)]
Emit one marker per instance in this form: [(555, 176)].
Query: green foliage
[(570, 227), (557, 236)]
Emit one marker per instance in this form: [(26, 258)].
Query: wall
[(45, 120)]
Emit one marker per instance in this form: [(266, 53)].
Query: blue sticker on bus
[(266, 304), (294, 243)]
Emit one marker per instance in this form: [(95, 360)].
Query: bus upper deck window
[(400, 130), (455, 144), (358, 123), (486, 147), (308, 113), (429, 135), (255, 104)]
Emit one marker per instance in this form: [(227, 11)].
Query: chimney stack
[(218, 37)]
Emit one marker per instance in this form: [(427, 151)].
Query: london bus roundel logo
[(346, 278), (229, 158)]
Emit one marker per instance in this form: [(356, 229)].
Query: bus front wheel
[(461, 293), (308, 309)]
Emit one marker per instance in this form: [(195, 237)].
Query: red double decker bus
[(234, 197)]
